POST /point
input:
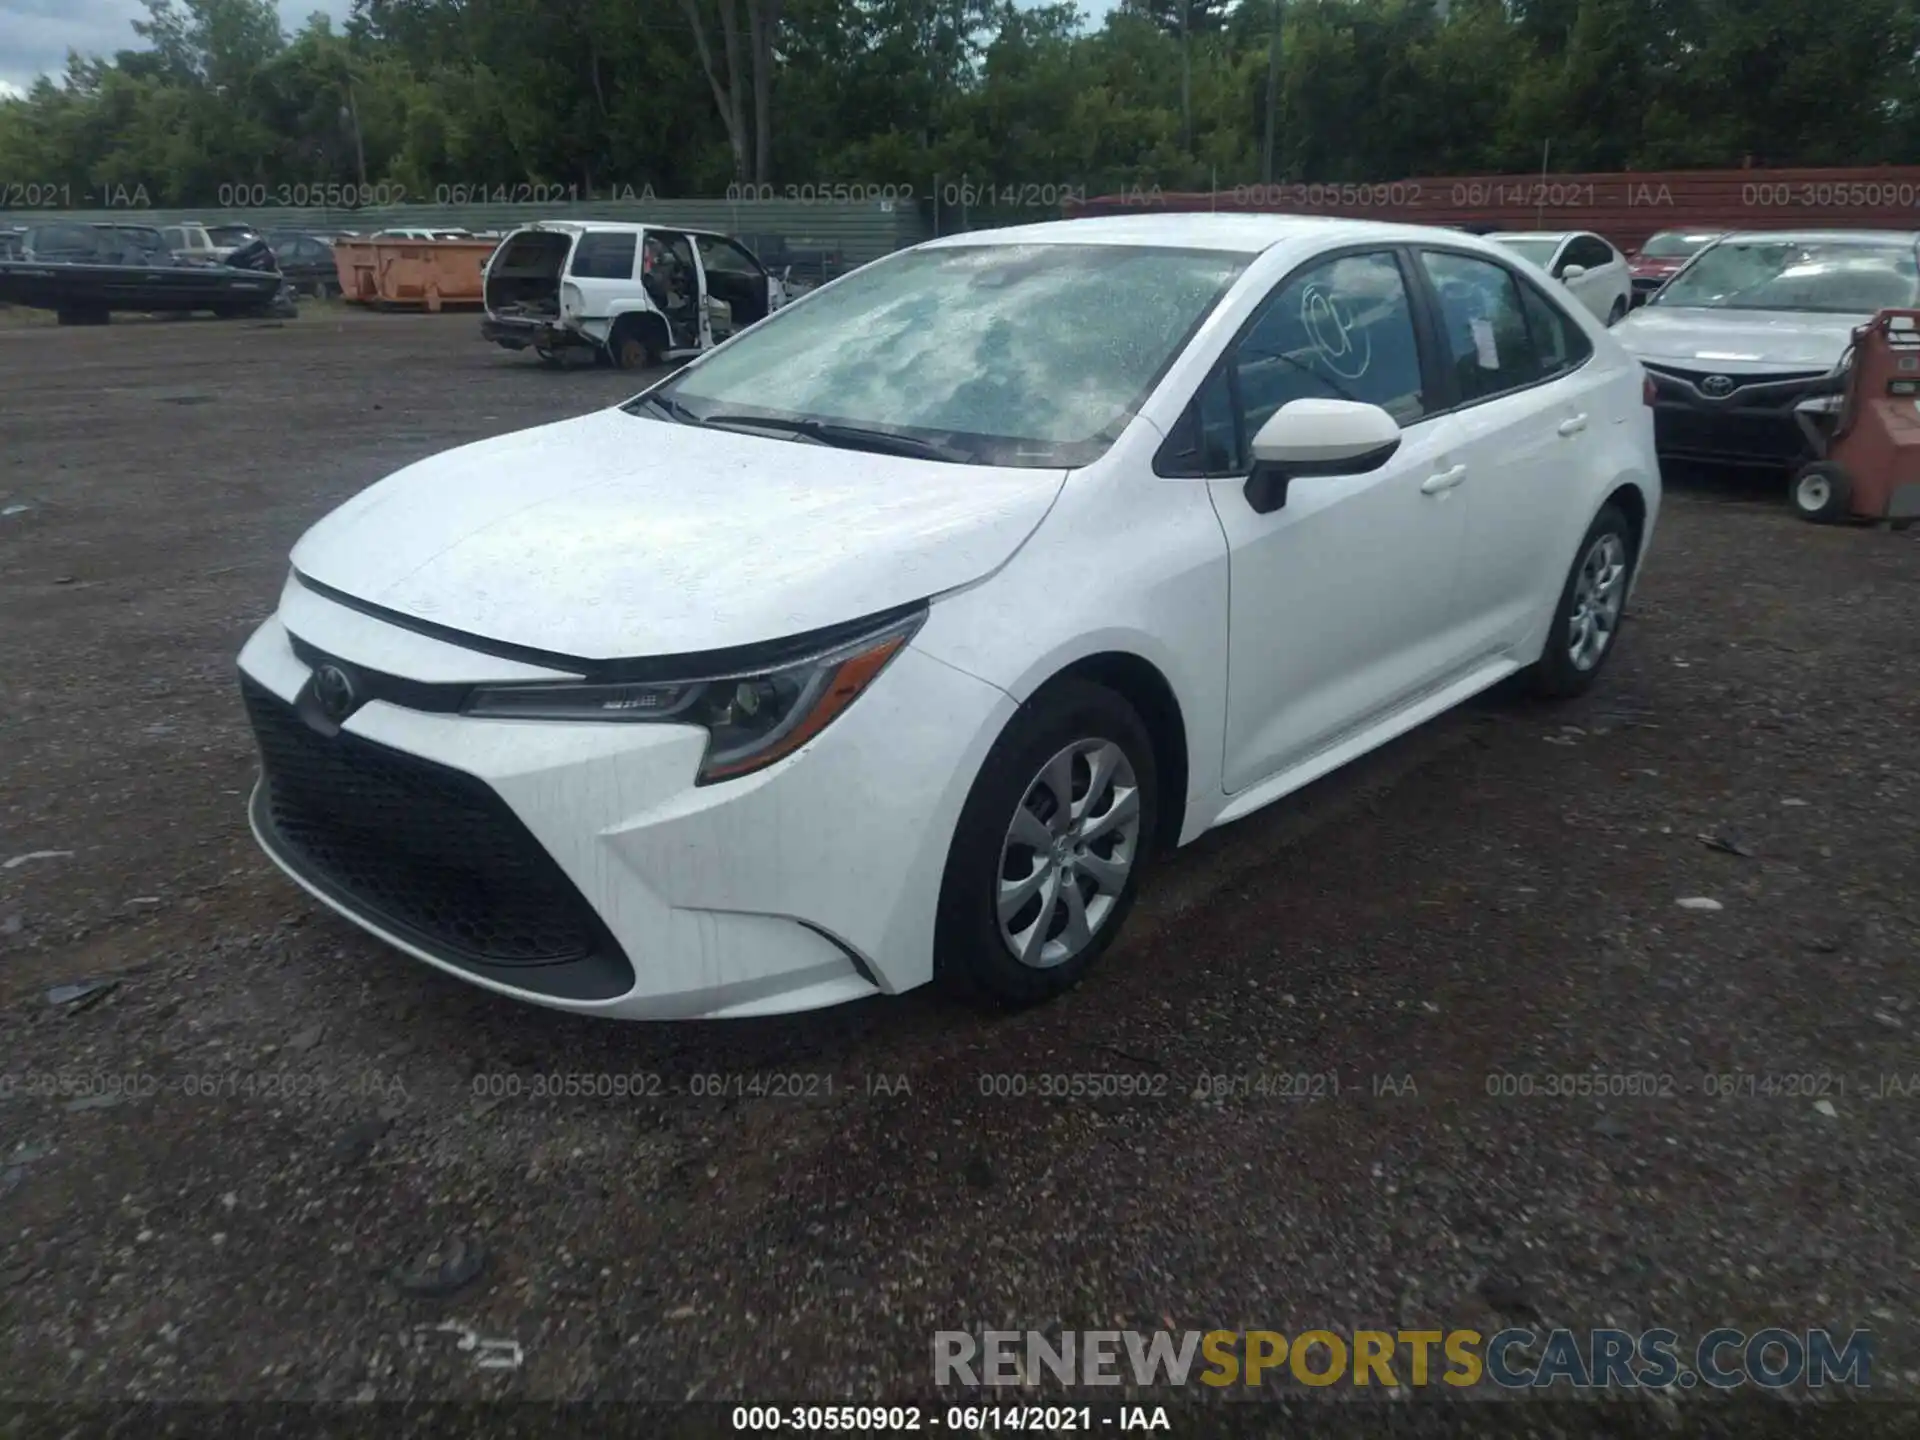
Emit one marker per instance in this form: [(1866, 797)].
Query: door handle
[(1573, 426), (1445, 480)]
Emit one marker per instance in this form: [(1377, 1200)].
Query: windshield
[(1000, 354), (1826, 277), (1671, 246), (1531, 247)]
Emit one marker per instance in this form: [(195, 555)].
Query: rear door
[(603, 269), (678, 290), (1524, 398)]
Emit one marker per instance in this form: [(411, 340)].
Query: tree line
[(687, 97)]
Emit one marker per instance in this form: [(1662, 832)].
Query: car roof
[(1829, 237), (1242, 234), (622, 227), (1534, 234)]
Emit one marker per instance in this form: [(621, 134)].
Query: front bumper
[(1756, 424), (577, 865)]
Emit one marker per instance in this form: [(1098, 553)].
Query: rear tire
[(631, 348), (1591, 608), (1822, 492), (1046, 859)]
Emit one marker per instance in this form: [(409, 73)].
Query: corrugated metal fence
[(1626, 208), (859, 232)]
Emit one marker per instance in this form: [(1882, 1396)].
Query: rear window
[(604, 255), (54, 240)]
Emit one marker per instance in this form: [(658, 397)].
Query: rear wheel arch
[(1631, 501), (645, 326)]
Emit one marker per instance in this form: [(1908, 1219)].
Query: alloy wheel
[(1068, 853), (1599, 593)]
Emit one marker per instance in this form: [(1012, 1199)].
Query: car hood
[(613, 536), (1655, 267), (1737, 341)]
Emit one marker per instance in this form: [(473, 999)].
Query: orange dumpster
[(412, 274)]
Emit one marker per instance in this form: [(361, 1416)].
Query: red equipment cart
[(1868, 438)]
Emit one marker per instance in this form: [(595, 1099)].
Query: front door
[(734, 276), (1597, 288), (1342, 601)]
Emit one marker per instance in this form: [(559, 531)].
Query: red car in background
[(1657, 261)]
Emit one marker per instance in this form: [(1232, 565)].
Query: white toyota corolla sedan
[(890, 639)]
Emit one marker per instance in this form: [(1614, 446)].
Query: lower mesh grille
[(429, 853)]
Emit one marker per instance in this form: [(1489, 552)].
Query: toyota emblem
[(1717, 385), (333, 689)]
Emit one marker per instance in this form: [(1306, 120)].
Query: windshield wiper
[(673, 408), (844, 437)]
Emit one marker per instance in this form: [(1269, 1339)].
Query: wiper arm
[(844, 437), (856, 437), (673, 408)]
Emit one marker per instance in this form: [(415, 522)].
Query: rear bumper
[(533, 334)]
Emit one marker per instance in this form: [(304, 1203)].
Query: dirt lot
[(1490, 903)]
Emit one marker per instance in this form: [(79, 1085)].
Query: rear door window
[(604, 255), (66, 242), (1558, 343), (1483, 325)]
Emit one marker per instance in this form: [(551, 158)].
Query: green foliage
[(606, 93)]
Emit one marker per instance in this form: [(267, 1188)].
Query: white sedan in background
[(1598, 275), (891, 639)]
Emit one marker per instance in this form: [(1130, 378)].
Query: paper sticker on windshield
[(1483, 346)]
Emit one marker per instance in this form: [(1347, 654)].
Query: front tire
[(1046, 860), (1822, 492), (1592, 605)]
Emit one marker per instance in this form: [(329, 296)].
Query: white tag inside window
[(1483, 345)]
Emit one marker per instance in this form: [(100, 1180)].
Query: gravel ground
[(1485, 905)]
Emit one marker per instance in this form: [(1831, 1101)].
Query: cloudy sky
[(35, 35)]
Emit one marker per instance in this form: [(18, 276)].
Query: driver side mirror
[(1572, 272), (1317, 437)]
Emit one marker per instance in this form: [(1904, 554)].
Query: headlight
[(752, 719)]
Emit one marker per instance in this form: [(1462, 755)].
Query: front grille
[(1769, 380), (428, 853), (1688, 432)]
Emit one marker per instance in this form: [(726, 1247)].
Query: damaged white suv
[(634, 294)]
